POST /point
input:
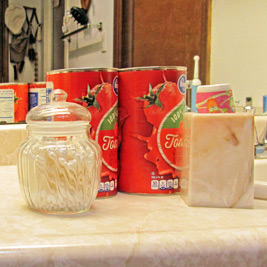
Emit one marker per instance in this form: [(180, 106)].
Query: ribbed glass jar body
[(59, 173)]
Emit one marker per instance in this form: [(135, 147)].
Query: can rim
[(12, 83), (153, 68), (214, 87), (38, 82), (80, 70)]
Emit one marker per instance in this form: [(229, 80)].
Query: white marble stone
[(130, 230), (219, 160)]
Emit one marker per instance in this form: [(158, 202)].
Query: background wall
[(47, 31), (238, 44), (83, 50), (27, 74), (58, 44), (239, 47)]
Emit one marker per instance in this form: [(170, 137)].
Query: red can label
[(152, 103), (106, 136), (98, 92), (13, 102)]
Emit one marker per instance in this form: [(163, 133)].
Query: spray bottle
[(195, 83)]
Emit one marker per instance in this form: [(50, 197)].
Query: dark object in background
[(15, 72), (31, 54), (79, 14), (21, 66), (18, 49), (14, 19)]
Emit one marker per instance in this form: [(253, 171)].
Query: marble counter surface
[(130, 230), (11, 136)]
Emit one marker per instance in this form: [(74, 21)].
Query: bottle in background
[(248, 106)]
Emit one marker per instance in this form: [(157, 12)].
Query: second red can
[(151, 107), (96, 89)]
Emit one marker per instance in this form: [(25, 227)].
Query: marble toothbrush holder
[(218, 160)]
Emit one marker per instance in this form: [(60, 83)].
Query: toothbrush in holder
[(195, 83)]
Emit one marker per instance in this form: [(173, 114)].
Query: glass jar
[(59, 165)]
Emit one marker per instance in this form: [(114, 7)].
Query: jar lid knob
[(58, 95)]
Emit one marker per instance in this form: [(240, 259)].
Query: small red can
[(96, 89), (13, 102), (151, 107)]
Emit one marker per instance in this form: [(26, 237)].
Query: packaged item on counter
[(218, 160), (65, 164), (97, 90), (39, 93), (151, 106), (215, 98), (13, 102)]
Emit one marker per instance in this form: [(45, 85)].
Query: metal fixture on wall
[(99, 26)]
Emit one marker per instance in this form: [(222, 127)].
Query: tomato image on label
[(164, 107), (160, 100)]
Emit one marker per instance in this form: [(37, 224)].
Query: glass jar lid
[(58, 111)]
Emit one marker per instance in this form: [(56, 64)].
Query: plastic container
[(215, 98), (59, 165)]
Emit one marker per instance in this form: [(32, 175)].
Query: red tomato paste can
[(39, 93), (97, 90), (13, 102), (151, 107)]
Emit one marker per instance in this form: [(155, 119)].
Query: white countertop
[(11, 136), (130, 230)]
